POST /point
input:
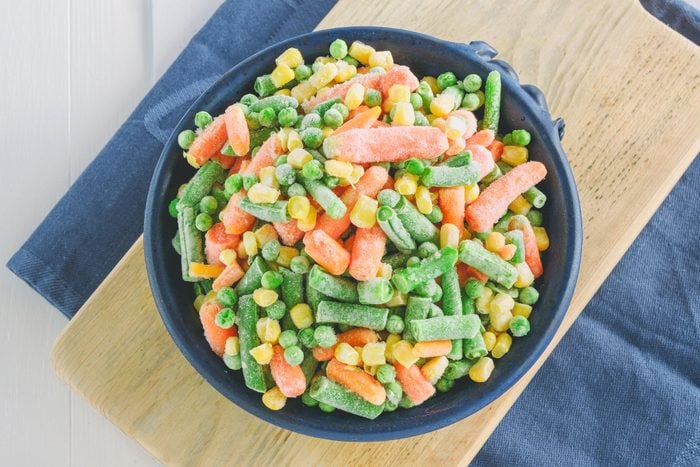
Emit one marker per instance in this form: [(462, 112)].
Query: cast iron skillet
[(523, 107)]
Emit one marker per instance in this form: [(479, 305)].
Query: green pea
[(473, 288), (351, 61), (311, 120), (227, 296), (208, 205), (444, 384), (299, 265), (394, 324), (519, 326), (249, 180), (296, 189), (528, 296), (186, 138), (225, 318), (412, 261), (330, 182), (249, 99), (312, 137), (435, 216), (470, 101), (302, 72), (271, 250), (520, 137), (287, 116), (325, 407), (232, 361), (233, 184), (390, 406), (426, 249), (267, 117), (306, 338), (446, 79), (338, 49), (373, 97), (481, 96), (285, 174), (312, 170), (420, 120), (342, 108), (202, 119), (415, 166), (507, 140), (416, 101), (471, 83), (317, 155), (172, 207), (288, 338), (332, 118), (325, 336), (315, 66), (386, 374), (203, 222), (253, 120), (294, 355), (277, 310), (307, 400)]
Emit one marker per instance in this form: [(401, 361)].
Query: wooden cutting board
[(628, 88)]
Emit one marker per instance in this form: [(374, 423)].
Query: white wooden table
[(71, 71)]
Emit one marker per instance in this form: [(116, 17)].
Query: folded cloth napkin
[(623, 387)]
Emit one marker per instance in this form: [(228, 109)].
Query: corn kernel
[(264, 297), (382, 58), (268, 329), (520, 205), (283, 135), (262, 353), (489, 340), (298, 207), (500, 319), (294, 141), (360, 52), (390, 341), (268, 178), (449, 235), (402, 352), (424, 203), (432, 82), (358, 349), (441, 106), (286, 255), (323, 75), (301, 315), (228, 256), (525, 276), (298, 157), (374, 353), (434, 368), (370, 369), (345, 353), (399, 93), (406, 184), (264, 234), (308, 222), (327, 131), (198, 302), (338, 169), (455, 127), (521, 309), (290, 57), (283, 92), (494, 242), (250, 243), (438, 122), (364, 213), (323, 91), (355, 96), (281, 75), (241, 251), (471, 193), (482, 303), (303, 91), (345, 71), (502, 302), (232, 346), (191, 160), (357, 172), (273, 399), (514, 155), (398, 299), (542, 238), (404, 115), (481, 371), (503, 343), (260, 193), (385, 271)]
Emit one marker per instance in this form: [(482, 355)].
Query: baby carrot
[(235, 219), (367, 251), (532, 253), (215, 335), (496, 148), (327, 252), (288, 231), (209, 142), (361, 120), (217, 240), (356, 380), (226, 161), (493, 202), (237, 130), (414, 384), (482, 138), (452, 203), (356, 337), (205, 271), (483, 157), (427, 349), (266, 156), (290, 379), (229, 276)]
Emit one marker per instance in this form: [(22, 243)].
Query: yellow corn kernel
[(382, 58), (482, 303), (357, 172), (360, 52), (398, 299), (283, 135), (489, 340), (500, 319), (345, 71), (399, 93), (481, 371), (406, 184), (434, 368), (286, 255), (402, 352), (260, 193), (424, 203), (502, 302), (495, 241), (432, 82), (520, 309), (198, 301), (327, 131), (390, 341), (241, 251), (298, 207), (514, 155), (338, 169), (358, 349), (345, 353), (323, 75), (404, 115), (298, 157), (525, 276), (520, 205), (542, 238), (268, 178), (281, 75), (449, 235), (250, 243), (374, 353), (471, 193), (370, 369), (191, 160), (264, 234), (232, 346), (262, 353), (308, 222), (355, 96), (441, 106), (228, 256), (290, 57), (273, 399), (364, 213), (455, 127), (437, 122), (264, 297), (303, 91), (301, 315), (268, 329), (503, 343), (283, 92), (294, 141), (431, 118)]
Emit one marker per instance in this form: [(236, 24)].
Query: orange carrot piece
[(266, 155), (367, 251), (238, 165), (348, 243), (476, 274), (237, 130), (215, 336), (229, 276), (217, 240), (226, 161), (205, 271), (235, 219), (427, 349), (380, 124), (452, 202), (209, 142), (493, 202), (289, 378), (356, 380), (414, 384), (496, 148), (357, 110), (482, 138), (362, 120), (357, 337), (326, 251), (532, 253), (288, 231), (483, 157)]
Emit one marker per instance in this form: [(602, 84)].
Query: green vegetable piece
[(253, 373), (386, 374), (326, 407), (271, 250), (397, 260), (471, 101), (285, 174), (307, 400), (276, 103), (520, 137), (472, 82), (456, 93), (409, 278), (294, 355), (475, 347), (200, 185), (444, 384), (498, 270), (309, 365), (446, 176), (277, 310), (264, 87), (208, 205), (299, 265), (394, 229), (352, 314), (252, 279), (435, 215), (258, 137), (176, 242), (416, 101), (535, 217), (267, 117), (473, 288), (492, 102), (325, 336), (515, 237), (186, 138), (312, 137), (227, 296), (333, 118), (249, 99), (427, 249), (416, 308), (203, 222), (415, 166), (535, 197), (519, 326), (426, 94), (270, 212), (376, 291), (233, 184), (388, 197), (332, 286), (328, 392), (172, 207), (311, 120), (445, 327), (271, 279), (373, 97), (191, 242), (338, 49), (288, 338), (296, 189), (306, 338), (202, 119), (302, 72), (325, 106), (394, 391), (287, 117), (313, 296), (452, 306), (233, 361), (351, 61), (435, 311), (418, 226), (395, 324), (324, 196), (225, 318), (342, 109), (313, 170), (445, 80), (528, 295), (458, 369), (292, 289)]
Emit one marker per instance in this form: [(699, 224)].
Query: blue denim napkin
[(622, 388)]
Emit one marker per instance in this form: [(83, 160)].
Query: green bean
[(458, 369), (264, 86), (376, 291), (489, 263), (394, 229), (191, 243), (495, 174), (252, 279), (258, 137), (516, 238), (416, 308), (426, 93), (276, 103), (332, 286), (248, 339), (309, 366), (475, 347), (270, 212), (313, 296), (426, 289), (409, 278), (445, 328), (363, 316), (458, 160), (468, 305), (292, 291), (446, 176), (452, 306), (200, 185), (324, 196), (492, 101), (324, 106), (418, 226), (397, 260), (328, 392), (535, 197)]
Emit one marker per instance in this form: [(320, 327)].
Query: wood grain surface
[(599, 68)]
